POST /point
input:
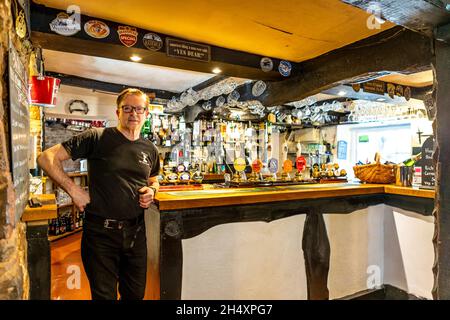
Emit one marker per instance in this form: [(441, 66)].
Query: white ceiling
[(122, 72)]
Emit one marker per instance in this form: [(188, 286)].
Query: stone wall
[(14, 282), (57, 133)]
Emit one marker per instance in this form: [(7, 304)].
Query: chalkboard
[(19, 129), (428, 172)]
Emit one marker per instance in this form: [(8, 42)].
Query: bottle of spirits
[(411, 161)]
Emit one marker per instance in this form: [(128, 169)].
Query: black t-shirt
[(117, 169)]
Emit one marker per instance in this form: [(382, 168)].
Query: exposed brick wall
[(14, 282), (57, 133)]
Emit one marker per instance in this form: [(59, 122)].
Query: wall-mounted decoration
[(78, 105), (96, 29), (152, 41), (399, 90), (66, 25), (342, 150), (391, 90), (20, 19), (266, 64), (377, 87), (188, 50), (356, 87), (127, 35), (285, 68), (407, 93)]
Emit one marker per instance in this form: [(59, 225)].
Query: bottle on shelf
[(77, 220), (411, 161), (57, 228)]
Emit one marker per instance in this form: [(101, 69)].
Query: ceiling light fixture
[(342, 93), (216, 70), (135, 58), (381, 99)]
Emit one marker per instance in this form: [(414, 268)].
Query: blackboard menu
[(428, 173), (20, 129)]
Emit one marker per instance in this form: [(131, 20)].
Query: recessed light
[(135, 58), (216, 70), (381, 99), (342, 93)]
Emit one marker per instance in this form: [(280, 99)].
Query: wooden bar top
[(174, 200), (49, 209)]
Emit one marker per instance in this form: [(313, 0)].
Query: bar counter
[(212, 197), (314, 241)]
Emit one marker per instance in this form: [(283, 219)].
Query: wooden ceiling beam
[(231, 62), (396, 50), (419, 15), (80, 82)]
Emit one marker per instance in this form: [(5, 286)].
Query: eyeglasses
[(129, 109)]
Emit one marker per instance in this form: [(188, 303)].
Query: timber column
[(442, 158)]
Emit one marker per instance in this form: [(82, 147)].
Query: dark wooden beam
[(416, 93), (316, 250), (176, 225), (418, 15), (395, 50), (442, 157), (80, 82), (209, 82), (231, 62)]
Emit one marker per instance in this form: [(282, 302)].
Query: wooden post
[(316, 250), (442, 157)]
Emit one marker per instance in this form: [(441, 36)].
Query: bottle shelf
[(65, 234), (65, 205)]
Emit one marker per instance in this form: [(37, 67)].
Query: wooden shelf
[(54, 238), (65, 205), (47, 211)]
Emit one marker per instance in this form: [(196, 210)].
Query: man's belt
[(113, 223)]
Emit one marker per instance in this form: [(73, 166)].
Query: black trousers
[(115, 260)]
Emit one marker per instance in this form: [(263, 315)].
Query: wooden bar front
[(185, 215)]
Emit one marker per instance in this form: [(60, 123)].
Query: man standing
[(122, 169)]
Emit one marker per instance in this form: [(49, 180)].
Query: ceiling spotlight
[(216, 70), (135, 58), (342, 93), (381, 99)]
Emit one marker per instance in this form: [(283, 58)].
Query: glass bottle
[(411, 161)]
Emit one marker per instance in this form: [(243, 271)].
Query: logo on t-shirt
[(145, 159)]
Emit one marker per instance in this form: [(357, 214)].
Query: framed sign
[(342, 150), (20, 129), (375, 86), (188, 50), (363, 138)]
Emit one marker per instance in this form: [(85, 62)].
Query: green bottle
[(411, 161)]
